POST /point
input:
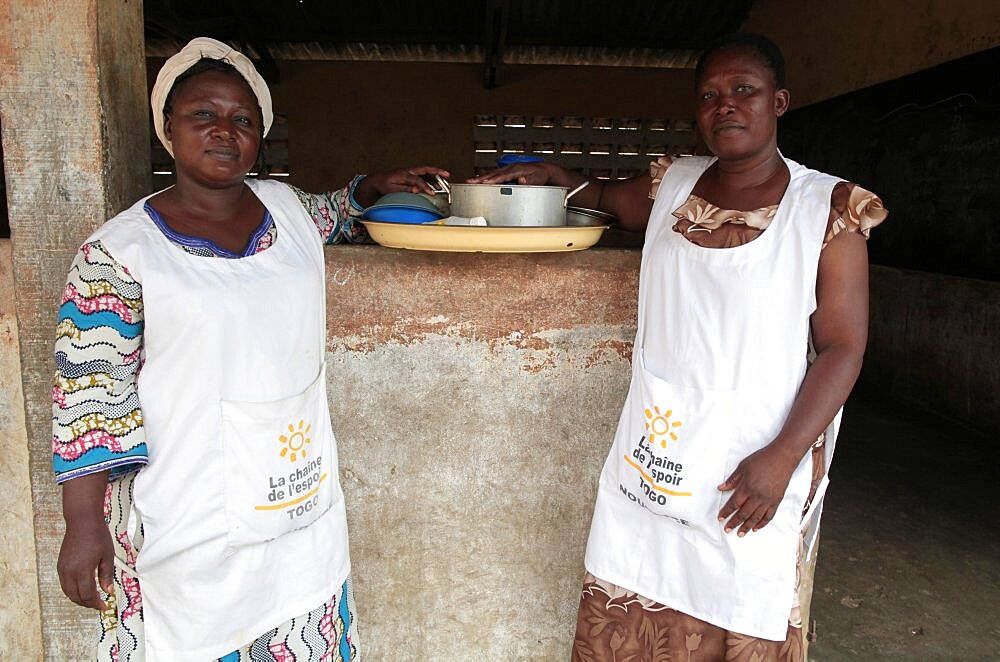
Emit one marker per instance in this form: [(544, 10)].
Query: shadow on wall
[(926, 144)]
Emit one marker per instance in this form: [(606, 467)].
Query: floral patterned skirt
[(618, 625), (327, 633)]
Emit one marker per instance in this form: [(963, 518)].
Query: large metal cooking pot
[(508, 205)]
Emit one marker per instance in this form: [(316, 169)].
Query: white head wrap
[(199, 48)]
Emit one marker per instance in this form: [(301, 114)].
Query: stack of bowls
[(402, 208), (581, 216)]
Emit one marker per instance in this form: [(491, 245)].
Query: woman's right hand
[(87, 549), (628, 200), (535, 174), (410, 180)]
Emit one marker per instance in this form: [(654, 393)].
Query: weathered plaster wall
[(73, 86), (934, 343), (20, 620), (837, 47), (474, 400)]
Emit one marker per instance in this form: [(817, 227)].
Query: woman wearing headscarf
[(191, 432)]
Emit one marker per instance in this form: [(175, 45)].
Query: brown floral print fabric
[(852, 209), (616, 625)]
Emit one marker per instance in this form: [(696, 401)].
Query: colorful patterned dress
[(614, 623), (97, 425)]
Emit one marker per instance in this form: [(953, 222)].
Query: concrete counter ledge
[(474, 399)]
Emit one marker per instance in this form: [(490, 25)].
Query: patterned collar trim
[(703, 215), (187, 241)]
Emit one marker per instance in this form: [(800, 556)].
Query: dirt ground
[(909, 555)]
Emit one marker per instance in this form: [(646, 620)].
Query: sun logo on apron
[(293, 446), (659, 425)]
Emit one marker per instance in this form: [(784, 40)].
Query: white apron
[(719, 354), (241, 504)]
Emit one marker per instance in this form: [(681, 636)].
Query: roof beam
[(497, 15), (590, 56)]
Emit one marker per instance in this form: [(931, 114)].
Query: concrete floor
[(909, 557)]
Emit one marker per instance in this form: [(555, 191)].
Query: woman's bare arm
[(840, 333), (87, 550)]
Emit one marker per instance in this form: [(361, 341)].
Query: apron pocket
[(280, 464), (672, 448)]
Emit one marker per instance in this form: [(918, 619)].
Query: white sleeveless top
[(243, 514), (719, 355)]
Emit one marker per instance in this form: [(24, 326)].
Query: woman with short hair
[(753, 319)]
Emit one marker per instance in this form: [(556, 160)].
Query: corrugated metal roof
[(638, 33), (371, 52), (663, 24)]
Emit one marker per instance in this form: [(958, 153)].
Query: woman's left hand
[(758, 485), (410, 180)]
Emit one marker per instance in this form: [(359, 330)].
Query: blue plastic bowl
[(394, 214), (508, 159)]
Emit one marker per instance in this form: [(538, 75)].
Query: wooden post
[(76, 151)]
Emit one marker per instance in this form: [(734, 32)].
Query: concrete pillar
[(76, 151), (20, 620)]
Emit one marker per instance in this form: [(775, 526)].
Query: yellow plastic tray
[(473, 239)]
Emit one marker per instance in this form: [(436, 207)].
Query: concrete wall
[(934, 344), (474, 399), (928, 147), (20, 621), (837, 47), (351, 117)]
